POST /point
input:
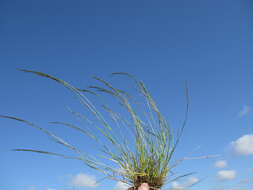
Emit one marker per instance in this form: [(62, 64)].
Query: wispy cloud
[(32, 187), (248, 180), (181, 186), (246, 109), (121, 186), (226, 174), (50, 189), (84, 180), (220, 164), (227, 188), (243, 145), (234, 188)]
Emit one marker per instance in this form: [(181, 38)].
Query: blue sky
[(164, 43)]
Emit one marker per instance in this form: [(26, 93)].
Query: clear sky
[(162, 42)]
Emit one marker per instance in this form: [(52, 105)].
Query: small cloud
[(235, 188), (121, 186), (32, 187), (227, 188), (243, 145), (50, 189), (181, 186), (84, 180), (176, 186), (221, 164), (249, 180), (245, 110), (227, 174), (192, 181)]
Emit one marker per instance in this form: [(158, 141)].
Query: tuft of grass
[(143, 155)]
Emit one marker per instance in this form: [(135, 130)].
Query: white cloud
[(248, 180), (50, 189), (234, 188), (181, 186), (221, 164), (121, 186), (243, 145), (245, 110), (176, 186), (192, 181), (32, 187), (84, 180), (227, 174), (227, 188)]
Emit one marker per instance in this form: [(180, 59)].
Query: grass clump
[(142, 156)]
